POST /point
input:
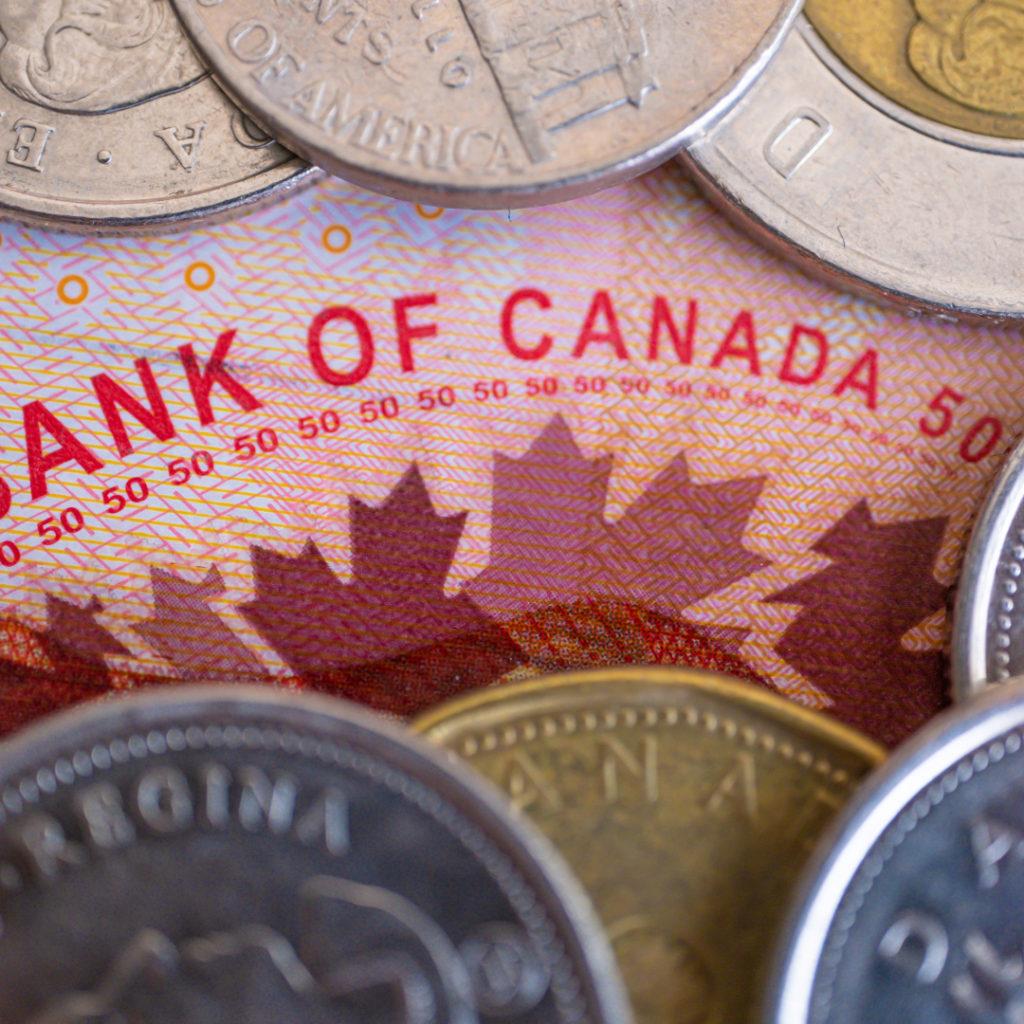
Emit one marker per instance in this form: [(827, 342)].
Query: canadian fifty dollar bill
[(395, 453)]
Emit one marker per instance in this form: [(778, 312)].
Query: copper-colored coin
[(687, 803)]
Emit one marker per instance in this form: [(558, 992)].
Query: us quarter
[(238, 855), (685, 801), (110, 125), (987, 641), (912, 912), (476, 103), (880, 150)]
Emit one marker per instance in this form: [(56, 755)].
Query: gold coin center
[(958, 62)]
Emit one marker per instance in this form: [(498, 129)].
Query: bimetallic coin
[(987, 641), (685, 801), (881, 149), (911, 913), (110, 125), (479, 104), (238, 855)]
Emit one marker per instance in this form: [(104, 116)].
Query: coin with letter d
[(911, 911), (477, 103), (238, 855), (987, 641), (686, 802), (879, 149)]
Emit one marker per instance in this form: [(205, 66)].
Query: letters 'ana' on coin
[(686, 802), (242, 855), (877, 149), (987, 642), (110, 125), (911, 911), (480, 103)]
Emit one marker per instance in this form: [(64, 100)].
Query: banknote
[(395, 453)]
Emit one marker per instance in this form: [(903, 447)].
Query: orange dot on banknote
[(200, 277), (72, 290), (337, 239), (429, 213)]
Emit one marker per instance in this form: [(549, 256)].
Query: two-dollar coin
[(686, 802), (240, 855), (481, 104), (911, 915)]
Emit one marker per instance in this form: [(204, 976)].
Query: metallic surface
[(109, 125), (865, 193), (987, 641), (685, 801), (954, 63), (486, 105), (911, 911), (202, 854)]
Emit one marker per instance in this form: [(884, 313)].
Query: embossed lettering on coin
[(668, 791), (483, 103), (252, 858)]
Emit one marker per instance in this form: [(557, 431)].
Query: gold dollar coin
[(686, 802)]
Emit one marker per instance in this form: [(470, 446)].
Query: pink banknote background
[(396, 453)]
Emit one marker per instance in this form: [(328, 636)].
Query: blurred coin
[(987, 642), (486, 105), (110, 125), (880, 151), (911, 914), (685, 801), (238, 855)]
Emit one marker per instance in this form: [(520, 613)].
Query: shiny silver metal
[(912, 845), (109, 125), (196, 847), (483, 105), (868, 196), (987, 642)]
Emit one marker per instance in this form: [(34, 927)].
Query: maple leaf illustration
[(678, 543), (401, 553), (547, 512), (550, 543), (75, 631), (847, 639), (188, 634)]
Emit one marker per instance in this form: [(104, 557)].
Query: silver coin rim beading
[(160, 216), (979, 582), (288, 130), (864, 275), (336, 732), (947, 754)]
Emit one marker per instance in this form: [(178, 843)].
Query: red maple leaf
[(192, 637), (76, 633), (550, 543), (395, 604), (678, 543), (847, 640), (547, 513)]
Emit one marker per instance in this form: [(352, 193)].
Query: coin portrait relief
[(957, 62), (972, 52), (93, 56)]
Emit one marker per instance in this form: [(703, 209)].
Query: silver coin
[(203, 855), (987, 639), (488, 105), (109, 124), (911, 914), (866, 193)]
